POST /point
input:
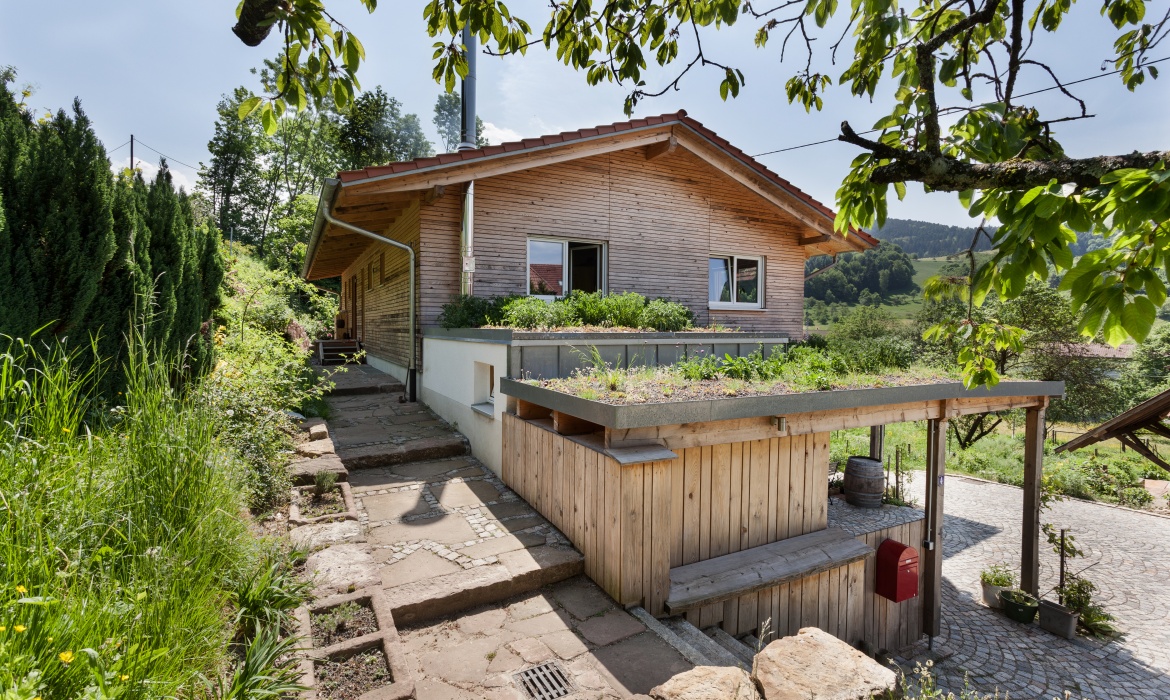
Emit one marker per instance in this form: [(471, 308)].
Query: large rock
[(708, 683), (342, 568), (313, 537), (814, 663)]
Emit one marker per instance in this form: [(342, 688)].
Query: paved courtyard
[(1131, 553)]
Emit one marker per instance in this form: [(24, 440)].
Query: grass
[(1103, 473)]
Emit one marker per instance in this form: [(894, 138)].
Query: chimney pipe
[(467, 125)]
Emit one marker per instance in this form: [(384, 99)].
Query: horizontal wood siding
[(383, 302), (661, 219)]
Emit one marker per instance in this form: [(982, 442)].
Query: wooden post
[(932, 544), (1033, 471), (877, 441)]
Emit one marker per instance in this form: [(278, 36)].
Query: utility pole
[(131, 154)]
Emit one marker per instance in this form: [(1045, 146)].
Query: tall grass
[(120, 531)]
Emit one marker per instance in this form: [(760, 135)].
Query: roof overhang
[(373, 198)]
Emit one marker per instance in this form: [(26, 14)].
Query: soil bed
[(313, 506), (346, 621), (348, 679)]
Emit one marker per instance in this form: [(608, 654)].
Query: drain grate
[(545, 682)]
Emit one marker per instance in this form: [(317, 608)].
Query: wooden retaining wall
[(634, 522)]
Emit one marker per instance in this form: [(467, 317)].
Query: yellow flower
[(21, 589), (19, 628), (2, 628), (65, 656), (123, 678), (50, 639), (66, 430)]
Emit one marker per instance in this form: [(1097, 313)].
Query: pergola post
[(1034, 431), (932, 545), (877, 442)]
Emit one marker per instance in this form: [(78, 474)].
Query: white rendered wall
[(393, 369), (450, 384)]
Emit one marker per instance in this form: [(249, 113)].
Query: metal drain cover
[(545, 682)]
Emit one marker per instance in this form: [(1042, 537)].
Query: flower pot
[(1058, 619), (1020, 612), (991, 595)]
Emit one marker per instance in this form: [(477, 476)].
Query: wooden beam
[(434, 193), (656, 150), (1138, 446), (565, 424), (1034, 431), (932, 544), (704, 433), (814, 240), (877, 442), (530, 411)]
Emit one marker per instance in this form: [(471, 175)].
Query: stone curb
[(1071, 498), (402, 686), (423, 450), (350, 512)]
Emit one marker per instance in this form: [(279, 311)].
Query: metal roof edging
[(324, 202)]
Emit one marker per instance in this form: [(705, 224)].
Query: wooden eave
[(336, 248), (1147, 416)]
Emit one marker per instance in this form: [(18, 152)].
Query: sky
[(157, 68)]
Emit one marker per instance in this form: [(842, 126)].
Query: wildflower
[(66, 430), (2, 628), (19, 628), (66, 657), (21, 590), (123, 677)]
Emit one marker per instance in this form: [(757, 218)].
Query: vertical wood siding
[(633, 523)]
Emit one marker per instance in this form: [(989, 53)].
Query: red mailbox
[(897, 571)]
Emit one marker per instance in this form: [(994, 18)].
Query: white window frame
[(736, 305), (564, 242)]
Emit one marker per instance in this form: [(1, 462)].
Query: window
[(734, 282), (557, 267), (369, 276)]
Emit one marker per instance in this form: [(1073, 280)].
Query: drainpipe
[(411, 372), (466, 247), (467, 141)]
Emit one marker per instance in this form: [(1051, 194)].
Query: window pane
[(546, 268), (747, 281), (719, 279)]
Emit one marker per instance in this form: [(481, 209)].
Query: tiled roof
[(679, 117)]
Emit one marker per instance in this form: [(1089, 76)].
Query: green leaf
[(248, 106), (1137, 319)]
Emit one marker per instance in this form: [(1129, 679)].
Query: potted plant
[(1019, 605), (995, 579), (1054, 616)]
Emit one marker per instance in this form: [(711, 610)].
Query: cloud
[(499, 134), (182, 177)]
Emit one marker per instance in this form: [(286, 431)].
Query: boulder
[(708, 683), (814, 663), (342, 568), (312, 537)]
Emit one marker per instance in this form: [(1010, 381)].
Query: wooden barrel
[(865, 482)]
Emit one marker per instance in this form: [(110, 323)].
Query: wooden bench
[(732, 575)]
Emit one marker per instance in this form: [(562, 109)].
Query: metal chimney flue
[(467, 125)]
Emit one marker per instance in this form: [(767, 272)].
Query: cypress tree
[(61, 223), (167, 243)]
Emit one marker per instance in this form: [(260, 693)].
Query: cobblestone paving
[(1130, 554), (379, 419)]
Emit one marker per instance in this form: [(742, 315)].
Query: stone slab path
[(606, 651), (1131, 556)]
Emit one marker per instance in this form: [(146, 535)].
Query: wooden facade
[(635, 522)]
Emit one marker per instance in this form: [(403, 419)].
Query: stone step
[(731, 644), (423, 449), (708, 647), (517, 572), (302, 471)]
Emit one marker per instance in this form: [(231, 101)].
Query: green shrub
[(535, 313), (664, 315), (474, 312), (623, 310), (998, 575), (587, 307), (1135, 497)]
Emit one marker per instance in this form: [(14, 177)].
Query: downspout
[(324, 209), (467, 142)]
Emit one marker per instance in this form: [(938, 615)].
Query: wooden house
[(661, 206)]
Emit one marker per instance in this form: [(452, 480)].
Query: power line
[(113, 151), (1025, 94), (173, 160)]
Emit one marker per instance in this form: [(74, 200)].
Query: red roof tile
[(679, 117)]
